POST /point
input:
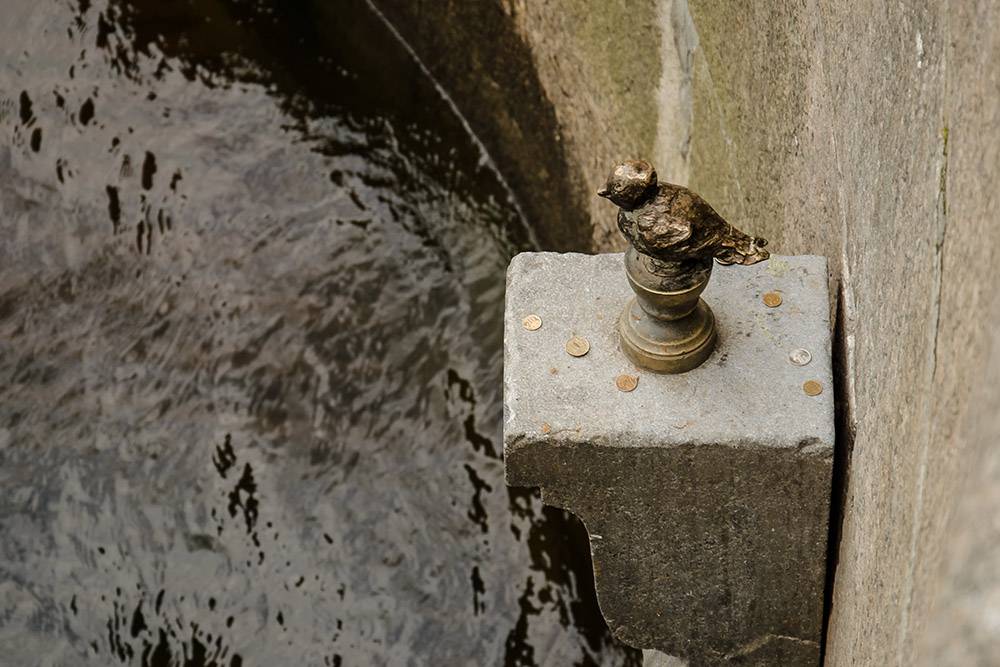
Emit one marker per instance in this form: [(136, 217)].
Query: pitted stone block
[(706, 494)]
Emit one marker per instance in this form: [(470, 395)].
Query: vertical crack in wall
[(933, 334), (918, 504), (932, 362), (939, 247), (843, 450), (844, 357)]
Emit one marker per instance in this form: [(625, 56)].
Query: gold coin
[(772, 299), (532, 322), (577, 346), (626, 382), (812, 388)]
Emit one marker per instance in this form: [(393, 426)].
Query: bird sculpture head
[(630, 184)]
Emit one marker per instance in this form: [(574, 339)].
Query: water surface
[(251, 284)]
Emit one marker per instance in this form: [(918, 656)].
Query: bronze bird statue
[(674, 234), (672, 224)]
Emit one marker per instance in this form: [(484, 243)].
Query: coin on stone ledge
[(577, 346), (532, 322), (626, 382), (812, 388), (772, 299)]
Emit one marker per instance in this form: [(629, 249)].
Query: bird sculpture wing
[(681, 225), (653, 230), (660, 229)]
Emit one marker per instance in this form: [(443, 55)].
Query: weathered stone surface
[(964, 626), (706, 494)]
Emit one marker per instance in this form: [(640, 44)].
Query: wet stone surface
[(251, 286)]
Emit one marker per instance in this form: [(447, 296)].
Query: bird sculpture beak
[(603, 192)]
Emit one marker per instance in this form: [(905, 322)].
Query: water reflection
[(250, 290)]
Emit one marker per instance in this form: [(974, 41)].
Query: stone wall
[(869, 134)]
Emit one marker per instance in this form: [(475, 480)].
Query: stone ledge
[(706, 494)]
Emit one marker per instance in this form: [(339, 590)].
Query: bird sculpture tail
[(740, 248)]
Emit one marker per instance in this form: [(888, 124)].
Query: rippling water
[(251, 282)]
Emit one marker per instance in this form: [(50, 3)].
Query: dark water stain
[(148, 171), (86, 110), (151, 639), (250, 324), (25, 108)]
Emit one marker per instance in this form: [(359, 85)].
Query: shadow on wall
[(504, 103)]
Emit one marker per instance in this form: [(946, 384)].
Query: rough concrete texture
[(964, 628), (866, 133), (706, 494)]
